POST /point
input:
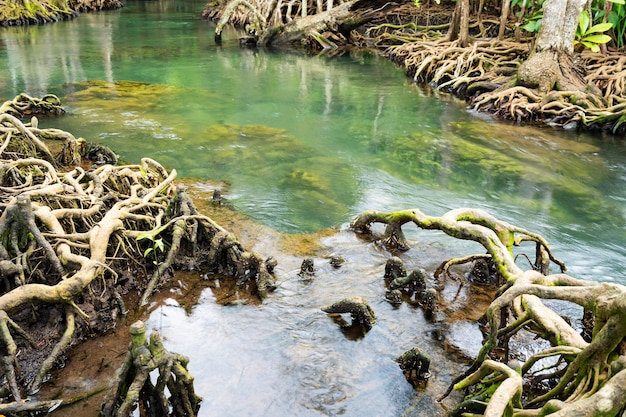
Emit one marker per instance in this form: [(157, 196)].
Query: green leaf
[(159, 230), (617, 1), (159, 244), (593, 46), (145, 235), (600, 27), (583, 22), (532, 26), (597, 39), (151, 234), (147, 252)]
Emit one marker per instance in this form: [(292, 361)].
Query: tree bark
[(459, 25), (551, 65)]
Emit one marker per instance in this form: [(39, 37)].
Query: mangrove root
[(415, 365), (584, 369), (358, 308), (75, 239), (134, 385)]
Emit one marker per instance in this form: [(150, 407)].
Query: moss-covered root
[(134, 385), (358, 308), (24, 105), (507, 381), (496, 236), (610, 400), (415, 366)]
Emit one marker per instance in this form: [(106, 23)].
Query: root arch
[(584, 369)]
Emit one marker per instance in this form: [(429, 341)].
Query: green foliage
[(533, 23), (418, 3), (605, 22), (591, 36), (157, 244), (533, 14)]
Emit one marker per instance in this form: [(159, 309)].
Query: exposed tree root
[(582, 369), (493, 70), (72, 242), (415, 366), (46, 11), (135, 386), (485, 73), (358, 308)]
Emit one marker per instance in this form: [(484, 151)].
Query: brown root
[(134, 385), (583, 369), (74, 239)]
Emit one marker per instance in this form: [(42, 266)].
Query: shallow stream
[(300, 145)]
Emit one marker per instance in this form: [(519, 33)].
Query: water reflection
[(39, 57)]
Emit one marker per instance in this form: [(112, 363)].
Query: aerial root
[(582, 370), (508, 394), (443, 270)]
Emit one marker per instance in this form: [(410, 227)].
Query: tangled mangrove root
[(24, 105), (485, 74), (37, 12), (572, 377), (134, 385), (480, 67), (75, 240)]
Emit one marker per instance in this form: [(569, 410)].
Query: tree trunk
[(459, 25), (551, 65)]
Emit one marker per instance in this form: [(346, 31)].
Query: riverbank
[(484, 72), (37, 12)]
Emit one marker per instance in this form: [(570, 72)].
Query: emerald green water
[(305, 143)]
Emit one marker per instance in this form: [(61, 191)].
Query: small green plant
[(533, 23), (530, 12), (157, 244), (418, 3), (591, 36)]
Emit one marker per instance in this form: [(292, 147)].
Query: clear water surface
[(304, 144)]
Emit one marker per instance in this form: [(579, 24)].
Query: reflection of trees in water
[(37, 56), (328, 91)]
